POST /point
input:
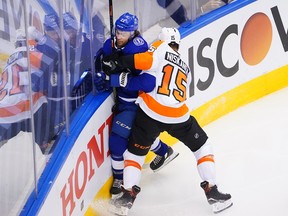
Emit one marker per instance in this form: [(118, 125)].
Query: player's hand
[(102, 82), (111, 64), (113, 56)]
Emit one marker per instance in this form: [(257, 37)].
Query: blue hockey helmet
[(127, 22), (51, 22), (69, 21)]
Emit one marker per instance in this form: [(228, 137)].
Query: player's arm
[(143, 82), (146, 81), (140, 61)]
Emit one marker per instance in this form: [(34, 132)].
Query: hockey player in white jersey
[(164, 109), (14, 89)]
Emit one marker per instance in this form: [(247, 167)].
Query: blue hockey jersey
[(135, 45)]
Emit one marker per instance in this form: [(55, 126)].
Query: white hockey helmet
[(20, 38), (170, 35)]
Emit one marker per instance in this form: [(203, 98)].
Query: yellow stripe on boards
[(100, 201), (242, 95)]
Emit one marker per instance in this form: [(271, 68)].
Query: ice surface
[(250, 146)]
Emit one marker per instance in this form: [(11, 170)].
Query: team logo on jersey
[(138, 41), (53, 79)]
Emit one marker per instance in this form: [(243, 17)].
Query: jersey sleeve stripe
[(35, 59), (156, 44), (143, 61)]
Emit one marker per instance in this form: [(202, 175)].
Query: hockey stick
[(112, 37), (111, 23)]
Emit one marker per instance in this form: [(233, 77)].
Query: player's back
[(11, 91), (14, 91), (167, 101)]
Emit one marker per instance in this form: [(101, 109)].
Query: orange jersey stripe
[(22, 106), (174, 112), (35, 59), (132, 163), (208, 158), (143, 61), (156, 44)]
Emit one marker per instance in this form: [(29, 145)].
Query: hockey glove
[(110, 67), (110, 63), (102, 82), (120, 80)]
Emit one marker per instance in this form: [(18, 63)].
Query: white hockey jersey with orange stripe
[(14, 89), (166, 103)]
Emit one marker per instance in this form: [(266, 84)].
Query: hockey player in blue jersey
[(127, 41), (50, 82)]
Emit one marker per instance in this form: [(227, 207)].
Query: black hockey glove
[(118, 65), (111, 64)]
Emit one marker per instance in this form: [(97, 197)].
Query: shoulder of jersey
[(138, 41), (155, 45)]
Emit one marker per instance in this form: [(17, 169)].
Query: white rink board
[(231, 53)]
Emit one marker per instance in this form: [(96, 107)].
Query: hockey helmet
[(51, 22), (69, 21), (127, 22), (20, 38), (170, 35)]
